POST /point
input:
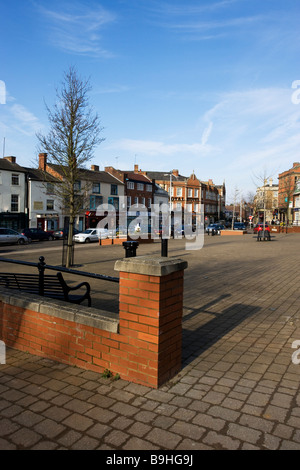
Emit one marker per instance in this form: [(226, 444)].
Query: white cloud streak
[(243, 133), (156, 148), (205, 21), (23, 120), (78, 32)]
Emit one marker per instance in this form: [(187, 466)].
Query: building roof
[(139, 177), (164, 176), (9, 166), (160, 191), (38, 175), (90, 175)]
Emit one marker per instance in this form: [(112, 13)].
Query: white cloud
[(241, 134), (23, 120), (153, 148), (78, 32), (254, 130), (205, 21), (16, 120), (206, 134)]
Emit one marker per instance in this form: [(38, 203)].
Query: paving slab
[(238, 388)]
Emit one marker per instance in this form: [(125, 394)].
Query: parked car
[(91, 235), (239, 226), (62, 233), (8, 235), (260, 227), (214, 227), (36, 234), (177, 231)]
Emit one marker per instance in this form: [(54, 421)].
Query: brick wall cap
[(151, 266), (79, 314)]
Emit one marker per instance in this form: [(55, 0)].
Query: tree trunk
[(69, 260)]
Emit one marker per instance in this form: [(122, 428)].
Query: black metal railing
[(42, 266)]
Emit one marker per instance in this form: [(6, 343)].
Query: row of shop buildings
[(29, 196), (279, 202)]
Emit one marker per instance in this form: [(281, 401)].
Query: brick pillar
[(150, 317)]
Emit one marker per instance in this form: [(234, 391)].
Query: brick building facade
[(288, 194)]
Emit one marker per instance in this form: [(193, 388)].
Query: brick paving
[(238, 388)]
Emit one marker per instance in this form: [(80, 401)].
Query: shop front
[(47, 222)]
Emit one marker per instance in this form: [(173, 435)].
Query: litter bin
[(130, 248), (267, 235), (259, 235), (263, 235)]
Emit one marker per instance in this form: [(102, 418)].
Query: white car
[(91, 235)]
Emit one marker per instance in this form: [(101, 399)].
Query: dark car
[(214, 228), (36, 234), (62, 233), (260, 227), (239, 226)]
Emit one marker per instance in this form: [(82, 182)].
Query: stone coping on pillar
[(151, 266)]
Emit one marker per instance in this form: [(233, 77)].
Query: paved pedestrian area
[(239, 384)]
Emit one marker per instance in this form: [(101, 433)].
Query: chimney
[(271, 182), (175, 173), (42, 161), (95, 167), (10, 159), (136, 168)]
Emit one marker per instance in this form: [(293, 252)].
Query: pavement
[(239, 384)]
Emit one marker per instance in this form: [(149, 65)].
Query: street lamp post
[(164, 241)]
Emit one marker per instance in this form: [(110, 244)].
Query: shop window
[(114, 201), (95, 201)]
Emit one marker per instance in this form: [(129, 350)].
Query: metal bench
[(53, 286)]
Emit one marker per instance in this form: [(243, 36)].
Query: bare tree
[(235, 199), (250, 201), (286, 196), (73, 135), (263, 202)]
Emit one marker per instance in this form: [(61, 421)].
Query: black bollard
[(130, 248), (164, 247), (41, 268)]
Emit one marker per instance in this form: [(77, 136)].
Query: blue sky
[(204, 86)]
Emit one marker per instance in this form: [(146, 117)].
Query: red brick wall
[(295, 229), (56, 338), (150, 318), (146, 350)]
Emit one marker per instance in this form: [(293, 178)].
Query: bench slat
[(54, 286)]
